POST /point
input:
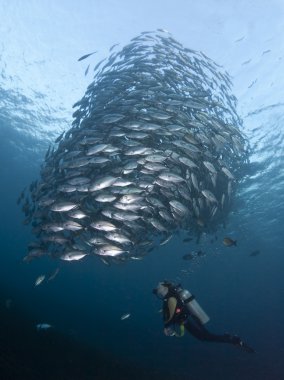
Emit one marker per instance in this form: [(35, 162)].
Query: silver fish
[(102, 183), (113, 118), (78, 181), (73, 255), (71, 226), (125, 316), (109, 250), (171, 177), (77, 214), (210, 167), (186, 161), (228, 173), (209, 195), (39, 280), (179, 207), (194, 181), (53, 274), (118, 237), (103, 226), (166, 240), (63, 206), (96, 149), (105, 198), (43, 326)]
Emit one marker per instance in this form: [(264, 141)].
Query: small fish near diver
[(125, 316), (182, 312), (43, 326), (228, 242), (39, 280)]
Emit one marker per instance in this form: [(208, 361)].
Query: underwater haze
[(87, 303)]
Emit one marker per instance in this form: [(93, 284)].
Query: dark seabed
[(241, 288)]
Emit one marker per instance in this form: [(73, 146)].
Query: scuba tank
[(192, 305)]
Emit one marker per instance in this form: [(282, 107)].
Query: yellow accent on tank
[(181, 331)]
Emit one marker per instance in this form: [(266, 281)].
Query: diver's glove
[(168, 331)]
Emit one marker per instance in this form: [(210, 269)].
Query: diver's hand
[(168, 331)]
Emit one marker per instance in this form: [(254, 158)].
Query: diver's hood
[(161, 290)]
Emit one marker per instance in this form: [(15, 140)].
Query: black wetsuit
[(192, 323)]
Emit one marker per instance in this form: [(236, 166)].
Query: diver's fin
[(241, 344), (245, 347), (236, 341)]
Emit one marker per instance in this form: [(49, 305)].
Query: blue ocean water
[(40, 80)]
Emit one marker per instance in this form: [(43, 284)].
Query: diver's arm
[(169, 311)]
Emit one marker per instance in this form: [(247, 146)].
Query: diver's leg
[(199, 331)]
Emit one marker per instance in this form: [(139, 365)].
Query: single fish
[(188, 256), (103, 225), (63, 206), (70, 225), (228, 242), (109, 250), (59, 138), (102, 183), (96, 149), (209, 195), (39, 280), (112, 47), (255, 253), (178, 207), (73, 255), (210, 167), (166, 240), (200, 222), (43, 326), (125, 316), (118, 237), (106, 262), (53, 274), (77, 214), (87, 70), (113, 118), (171, 177), (186, 240), (227, 172), (86, 56)]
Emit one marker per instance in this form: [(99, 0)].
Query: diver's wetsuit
[(198, 330), (175, 313)]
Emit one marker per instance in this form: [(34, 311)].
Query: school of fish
[(155, 147)]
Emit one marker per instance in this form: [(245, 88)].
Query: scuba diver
[(181, 309)]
